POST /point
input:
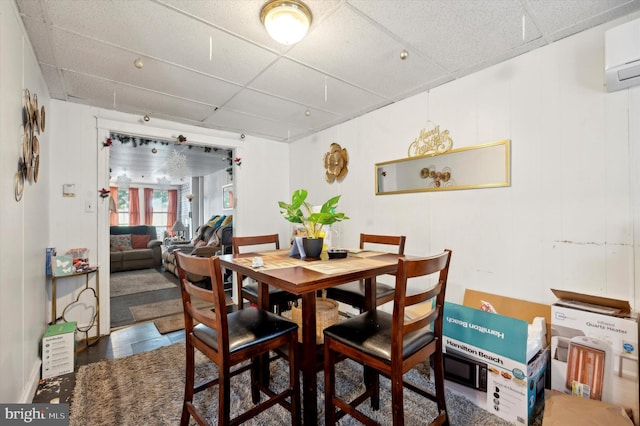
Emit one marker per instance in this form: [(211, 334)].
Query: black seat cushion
[(371, 333), (247, 327), (357, 288)]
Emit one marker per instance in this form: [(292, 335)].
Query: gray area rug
[(139, 281), (121, 314), (148, 388)]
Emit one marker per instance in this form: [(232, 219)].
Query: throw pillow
[(121, 242), (213, 219), (139, 241), (219, 221), (227, 220)]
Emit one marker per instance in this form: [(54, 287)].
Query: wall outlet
[(89, 206)]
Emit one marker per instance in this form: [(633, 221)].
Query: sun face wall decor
[(335, 163)]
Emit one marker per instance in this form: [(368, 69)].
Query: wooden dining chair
[(279, 300), (391, 345), (354, 293), (229, 339)]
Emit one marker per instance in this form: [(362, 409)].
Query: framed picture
[(227, 196)]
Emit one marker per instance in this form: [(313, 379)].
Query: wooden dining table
[(306, 277)]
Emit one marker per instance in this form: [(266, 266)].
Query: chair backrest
[(216, 320), (391, 240), (422, 290), (272, 240), (255, 240)]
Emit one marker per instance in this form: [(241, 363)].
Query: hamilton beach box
[(58, 349), (496, 361), (594, 349)]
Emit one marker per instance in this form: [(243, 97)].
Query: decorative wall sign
[(33, 121), (430, 142)]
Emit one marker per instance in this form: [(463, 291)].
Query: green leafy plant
[(300, 211)]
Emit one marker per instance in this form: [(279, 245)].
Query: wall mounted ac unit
[(622, 56)]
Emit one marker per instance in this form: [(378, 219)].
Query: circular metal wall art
[(33, 122), (18, 185), (42, 119)]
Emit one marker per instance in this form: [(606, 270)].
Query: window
[(160, 208), (123, 206)]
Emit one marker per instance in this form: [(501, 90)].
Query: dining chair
[(279, 300), (391, 344), (230, 339), (354, 293)]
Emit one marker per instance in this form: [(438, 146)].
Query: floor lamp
[(190, 198)]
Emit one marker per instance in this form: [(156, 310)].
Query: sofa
[(134, 247), (207, 242)]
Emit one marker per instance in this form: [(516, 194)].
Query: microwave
[(466, 371)]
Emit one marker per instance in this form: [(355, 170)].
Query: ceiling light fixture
[(286, 21)]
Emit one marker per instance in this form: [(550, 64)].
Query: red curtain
[(134, 207), (113, 207), (148, 206), (173, 208)]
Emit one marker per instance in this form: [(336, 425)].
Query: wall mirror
[(479, 166)]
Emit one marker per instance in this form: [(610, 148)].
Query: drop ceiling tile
[(262, 105), (454, 34), (309, 87), (130, 99), (40, 36), (84, 56), (32, 9), (557, 17), (243, 17), (257, 126), (157, 31), (346, 41), (54, 82)]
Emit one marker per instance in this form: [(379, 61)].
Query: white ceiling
[(144, 160), (210, 63)]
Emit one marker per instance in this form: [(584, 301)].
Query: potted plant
[(300, 211)]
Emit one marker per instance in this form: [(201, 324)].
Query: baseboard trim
[(32, 384)]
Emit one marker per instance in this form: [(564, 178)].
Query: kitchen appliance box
[(58, 349), (486, 355), (594, 349)]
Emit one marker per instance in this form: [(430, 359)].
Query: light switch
[(89, 207)]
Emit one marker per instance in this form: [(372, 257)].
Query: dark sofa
[(144, 249)]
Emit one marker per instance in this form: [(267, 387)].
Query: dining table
[(306, 278)]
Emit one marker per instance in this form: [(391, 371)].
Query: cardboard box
[(594, 349), (561, 409), (488, 359), (58, 349)]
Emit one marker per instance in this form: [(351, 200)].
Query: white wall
[(567, 220), (24, 225), (80, 129), (213, 194)]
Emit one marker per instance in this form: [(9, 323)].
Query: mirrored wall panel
[(480, 166)]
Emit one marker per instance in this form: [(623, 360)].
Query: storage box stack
[(496, 353), (58, 349), (594, 349)]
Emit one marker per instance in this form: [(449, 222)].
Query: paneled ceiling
[(210, 63)]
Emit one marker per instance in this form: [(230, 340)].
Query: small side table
[(95, 320)]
